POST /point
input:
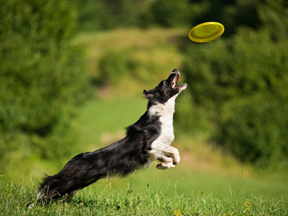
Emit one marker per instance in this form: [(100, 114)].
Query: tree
[(41, 77)]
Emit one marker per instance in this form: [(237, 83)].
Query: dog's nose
[(174, 71)]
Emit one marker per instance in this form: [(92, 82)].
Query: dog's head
[(166, 89)]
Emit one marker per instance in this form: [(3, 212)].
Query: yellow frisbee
[(206, 32)]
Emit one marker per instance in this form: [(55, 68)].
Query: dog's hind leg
[(73, 191)]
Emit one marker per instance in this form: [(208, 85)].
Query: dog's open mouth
[(175, 80)]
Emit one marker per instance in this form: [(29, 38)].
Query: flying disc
[(206, 32)]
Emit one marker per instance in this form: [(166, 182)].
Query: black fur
[(118, 159)]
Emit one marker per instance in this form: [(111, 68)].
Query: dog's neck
[(163, 110)]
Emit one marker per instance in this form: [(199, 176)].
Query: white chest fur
[(160, 148), (166, 112)]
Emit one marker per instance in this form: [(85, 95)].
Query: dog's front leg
[(168, 155)]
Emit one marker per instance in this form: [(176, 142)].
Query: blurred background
[(72, 75)]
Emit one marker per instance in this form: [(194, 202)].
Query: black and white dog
[(147, 140)]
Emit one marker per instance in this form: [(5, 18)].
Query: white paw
[(164, 166), (176, 159)]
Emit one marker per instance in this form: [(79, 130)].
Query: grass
[(140, 200)]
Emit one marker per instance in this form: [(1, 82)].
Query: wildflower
[(228, 213), (247, 206), (177, 212), (247, 203)]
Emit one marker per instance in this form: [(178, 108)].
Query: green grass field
[(206, 182), (140, 199)]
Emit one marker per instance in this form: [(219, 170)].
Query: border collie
[(146, 141)]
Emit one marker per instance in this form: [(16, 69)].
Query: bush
[(109, 14), (241, 84), (114, 65), (169, 13), (41, 78), (254, 129)]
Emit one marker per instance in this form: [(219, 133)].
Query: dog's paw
[(164, 166), (176, 159)]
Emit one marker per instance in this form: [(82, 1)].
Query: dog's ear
[(148, 94)]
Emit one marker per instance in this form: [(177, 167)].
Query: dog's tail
[(47, 190), (43, 194)]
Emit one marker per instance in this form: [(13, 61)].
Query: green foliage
[(258, 14), (108, 14), (169, 13), (41, 77), (273, 15), (115, 65), (255, 128), (103, 15), (190, 118), (241, 84), (139, 60)]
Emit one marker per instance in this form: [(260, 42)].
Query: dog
[(146, 141)]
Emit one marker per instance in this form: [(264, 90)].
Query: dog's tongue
[(174, 82)]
